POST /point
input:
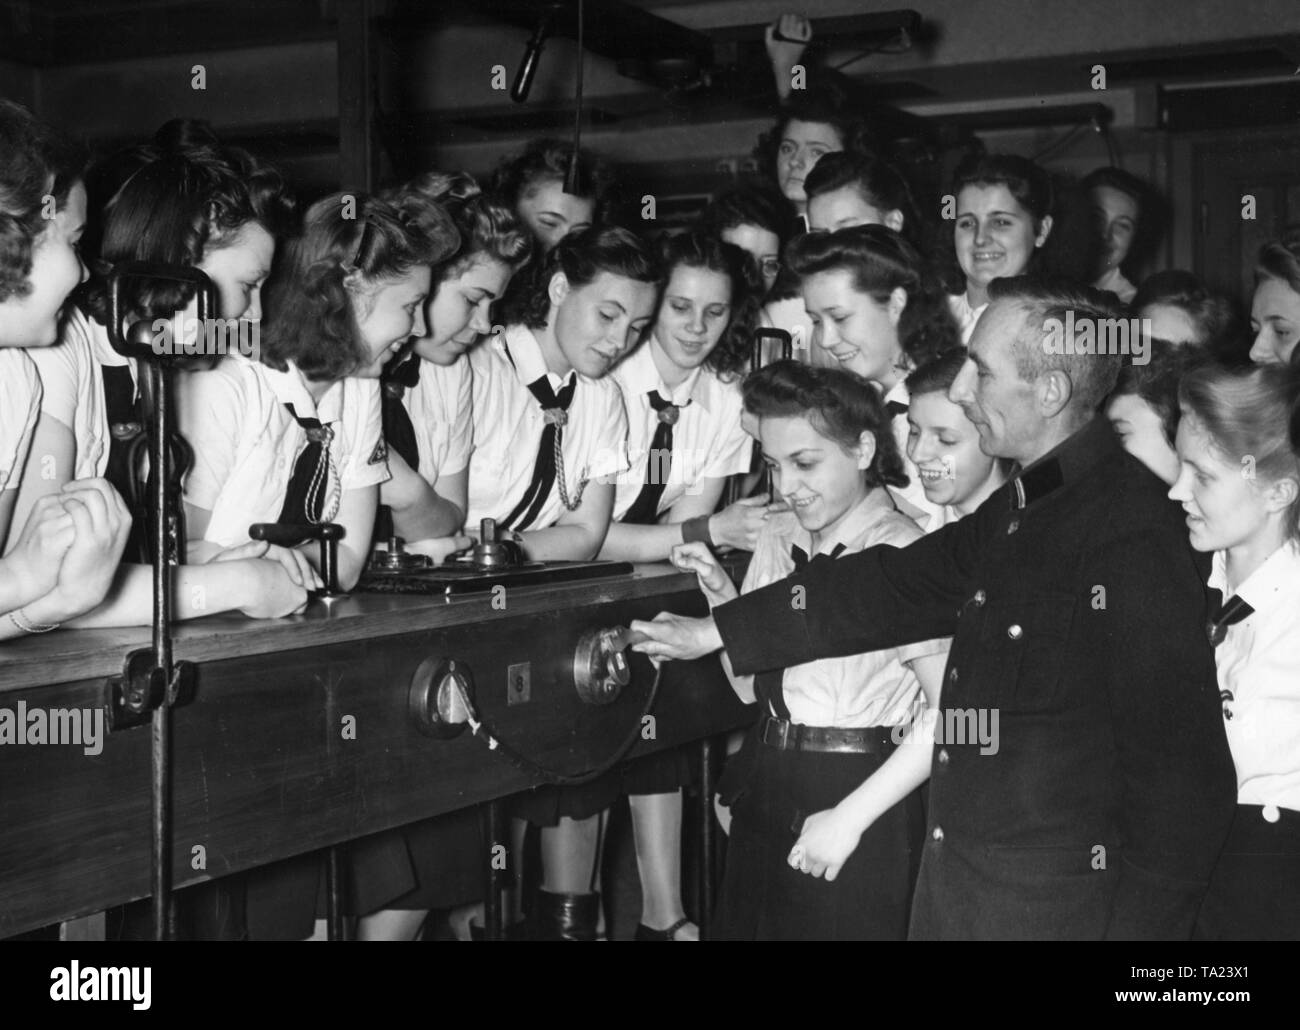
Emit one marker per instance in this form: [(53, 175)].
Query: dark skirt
[(1254, 892), (763, 898), (547, 804)]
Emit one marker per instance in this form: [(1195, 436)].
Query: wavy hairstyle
[(1280, 259), (582, 257), (485, 228), (730, 357), (881, 261), (840, 405), (823, 104), (548, 160), (171, 202), (35, 163), (310, 314)]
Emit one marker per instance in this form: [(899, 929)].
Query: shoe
[(564, 917), (644, 933)]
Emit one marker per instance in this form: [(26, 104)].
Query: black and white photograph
[(651, 470)]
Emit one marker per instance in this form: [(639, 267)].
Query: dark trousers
[(1254, 891)]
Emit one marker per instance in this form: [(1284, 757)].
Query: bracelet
[(22, 623), (697, 529)]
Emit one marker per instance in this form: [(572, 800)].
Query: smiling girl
[(1275, 307), (207, 207), (821, 767), (877, 311), (550, 434), (295, 437), (428, 409), (62, 561), (1240, 485), (1004, 205), (943, 445), (533, 184)]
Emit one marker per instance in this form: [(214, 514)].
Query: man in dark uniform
[(1077, 613)]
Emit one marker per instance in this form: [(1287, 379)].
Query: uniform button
[(1271, 813), (1015, 524), (979, 598), (952, 675), (1014, 631), (943, 756), (936, 834)]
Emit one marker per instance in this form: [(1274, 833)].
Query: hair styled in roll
[(881, 261), (1246, 412), (821, 104), (548, 160), (310, 303), (750, 201), (880, 184), (839, 404), (171, 202), (730, 357), (938, 374), (485, 229), (35, 162), (583, 257)]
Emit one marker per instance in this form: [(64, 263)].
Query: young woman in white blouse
[(428, 408), (550, 438), (681, 388), (60, 560), (1003, 216), (184, 202), (1240, 485), (876, 311), (943, 445), (822, 785)]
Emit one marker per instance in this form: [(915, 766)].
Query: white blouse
[(872, 689), (1259, 664)]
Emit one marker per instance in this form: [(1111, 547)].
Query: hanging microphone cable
[(571, 180)]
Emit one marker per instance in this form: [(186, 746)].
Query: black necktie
[(1224, 615), (304, 499), (895, 408), (555, 407), (645, 509), (398, 430), (124, 423), (768, 685)]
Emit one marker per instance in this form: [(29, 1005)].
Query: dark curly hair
[(840, 405), (730, 357), (881, 261), (34, 163), (823, 104), (548, 160), (486, 228), (310, 317), (582, 257), (172, 201)]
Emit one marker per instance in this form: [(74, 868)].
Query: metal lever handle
[(328, 533)]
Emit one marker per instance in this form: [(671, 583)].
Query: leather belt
[(793, 736)]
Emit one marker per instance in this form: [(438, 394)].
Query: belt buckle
[(782, 738)]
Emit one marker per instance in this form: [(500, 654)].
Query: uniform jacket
[(1077, 612)]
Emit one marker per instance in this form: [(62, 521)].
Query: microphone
[(532, 54)]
